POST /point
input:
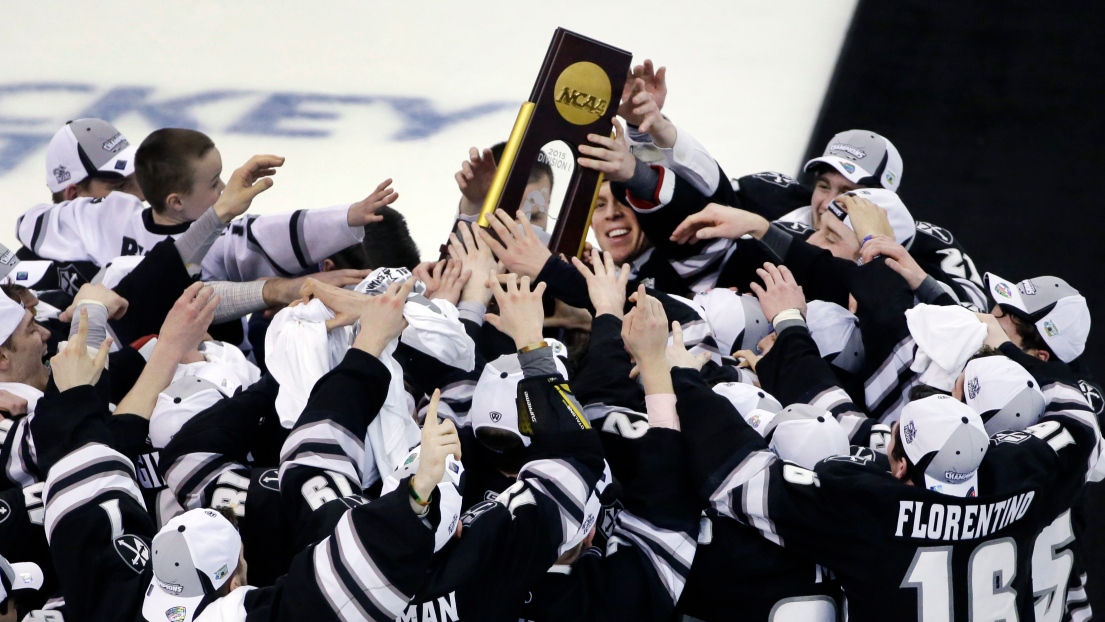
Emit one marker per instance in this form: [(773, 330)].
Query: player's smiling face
[(828, 186), (207, 185), (616, 228), (23, 354)]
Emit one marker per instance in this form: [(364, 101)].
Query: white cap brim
[(160, 604), (1005, 292), (966, 488), (122, 163), (27, 576), (841, 166)]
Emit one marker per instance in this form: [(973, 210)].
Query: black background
[(997, 110)]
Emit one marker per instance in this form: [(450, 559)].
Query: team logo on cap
[(1050, 328), (221, 572), (909, 432), (955, 476), (754, 421), (115, 142), (1003, 290), (176, 614), (62, 174), (496, 416), (889, 177), (1027, 287), (973, 387), (855, 152), (848, 166), (120, 165)]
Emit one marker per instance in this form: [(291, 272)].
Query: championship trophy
[(577, 93)]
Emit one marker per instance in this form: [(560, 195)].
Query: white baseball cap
[(947, 440), (11, 315), (84, 148), (1003, 393), (449, 491), (18, 576), (495, 398), (836, 332), (193, 555), (747, 398), (736, 320), (1058, 311), (801, 433), (863, 158), (8, 262), (901, 221), (185, 398)]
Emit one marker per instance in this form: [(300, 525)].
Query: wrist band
[(532, 347), (787, 314), (417, 499), (865, 240)]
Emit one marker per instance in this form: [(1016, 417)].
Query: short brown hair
[(165, 163)]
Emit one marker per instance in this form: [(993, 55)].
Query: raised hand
[(444, 280), (246, 182), (518, 246), (652, 81), (116, 304), (279, 292), (606, 285), (439, 440), (719, 221), (677, 353), (345, 304), (363, 212), (653, 122), (521, 313), (866, 217), (475, 256), (474, 180), (186, 324), (645, 330), (609, 156), (382, 318), (780, 291), (73, 367), (897, 258)]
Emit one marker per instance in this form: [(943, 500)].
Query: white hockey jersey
[(251, 247)]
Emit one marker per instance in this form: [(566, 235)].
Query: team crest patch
[(134, 551), (62, 174), (909, 432), (5, 511), (176, 614), (848, 166), (496, 416), (1093, 396), (1050, 328), (973, 387), (270, 479), (777, 179), (1003, 290), (1014, 438), (939, 233)]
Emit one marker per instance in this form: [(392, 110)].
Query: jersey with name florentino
[(901, 552)]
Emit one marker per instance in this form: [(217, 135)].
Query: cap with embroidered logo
[(193, 556), (863, 158), (1003, 393), (1057, 310), (946, 440), (87, 148)]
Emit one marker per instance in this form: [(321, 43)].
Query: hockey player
[(950, 528), (180, 173)]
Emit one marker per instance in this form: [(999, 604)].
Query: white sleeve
[(79, 230), (285, 245), (687, 158)]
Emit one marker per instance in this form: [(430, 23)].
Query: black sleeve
[(564, 283), (95, 520), (216, 441), (794, 372), (124, 368), (151, 290), (324, 457), (603, 377)]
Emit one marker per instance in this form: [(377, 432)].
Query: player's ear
[(5, 362), (173, 203), (328, 265), (1043, 355), (71, 191)]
